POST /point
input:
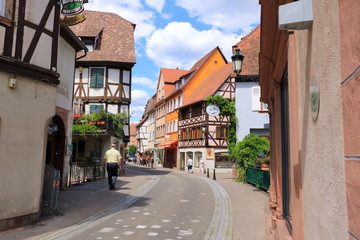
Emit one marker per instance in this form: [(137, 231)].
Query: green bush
[(247, 151)]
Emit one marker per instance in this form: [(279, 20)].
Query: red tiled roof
[(210, 85), (250, 48), (170, 76), (117, 40)]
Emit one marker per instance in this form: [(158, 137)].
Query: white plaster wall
[(24, 117), (126, 76), (114, 75), (322, 154), (66, 65), (35, 11), (113, 108), (247, 118), (96, 92), (77, 76)]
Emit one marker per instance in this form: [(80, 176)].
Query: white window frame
[(255, 93)]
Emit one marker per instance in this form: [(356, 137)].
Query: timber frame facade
[(25, 58), (192, 117)]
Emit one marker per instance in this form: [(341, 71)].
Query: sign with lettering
[(71, 7)]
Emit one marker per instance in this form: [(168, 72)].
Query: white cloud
[(136, 112), (139, 99), (229, 15), (181, 45), (156, 4), (130, 10), (145, 81)]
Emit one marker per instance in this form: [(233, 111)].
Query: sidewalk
[(249, 205)]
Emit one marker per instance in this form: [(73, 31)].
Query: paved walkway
[(249, 205)]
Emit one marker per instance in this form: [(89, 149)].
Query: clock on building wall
[(213, 110)]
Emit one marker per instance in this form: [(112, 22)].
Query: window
[(222, 132), (96, 108), (196, 110), (255, 98), (97, 77)]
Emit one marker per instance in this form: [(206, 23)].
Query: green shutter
[(93, 77), (92, 108), (97, 77), (100, 78)]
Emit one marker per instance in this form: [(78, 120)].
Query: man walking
[(112, 158)]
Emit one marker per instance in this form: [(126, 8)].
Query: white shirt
[(190, 162)]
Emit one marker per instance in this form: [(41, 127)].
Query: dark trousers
[(112, 170)]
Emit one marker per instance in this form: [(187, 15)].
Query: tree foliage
[(132, 150), (248, 151), (227, 108)]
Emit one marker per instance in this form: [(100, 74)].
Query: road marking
[(152, 234), (107, 230), (128, 233), (166, 220), (141, 226), (156, 226)]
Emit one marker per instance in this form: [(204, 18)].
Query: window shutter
[(255, 98), (92, 108), (93, 77), (100, 78), (218, 132)]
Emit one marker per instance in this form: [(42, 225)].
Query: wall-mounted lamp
[(12, 83), (237, 60), (203, 128)]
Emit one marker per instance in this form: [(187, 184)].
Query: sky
[(177, 33)]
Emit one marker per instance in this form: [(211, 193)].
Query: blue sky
[(177, 33)]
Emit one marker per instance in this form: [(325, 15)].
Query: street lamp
[(237, 60)]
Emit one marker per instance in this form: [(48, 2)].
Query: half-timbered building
[(103, 76), (36, 72), (210, 145), (166, 85)]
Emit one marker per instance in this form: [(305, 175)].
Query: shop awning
[(168, 144)]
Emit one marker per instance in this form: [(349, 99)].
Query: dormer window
[(182, 81), (89, 42), (92, 43)]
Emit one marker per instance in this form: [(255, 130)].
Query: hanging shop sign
[(71, 7)]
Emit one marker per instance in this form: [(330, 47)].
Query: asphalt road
[(170, 205), (178, 206)]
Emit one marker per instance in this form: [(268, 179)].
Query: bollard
[(207, 173), (214, 177)]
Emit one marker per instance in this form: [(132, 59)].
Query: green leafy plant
[(247, 152), (85, 128), (115, 122), (132, 150), (227, 109)]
